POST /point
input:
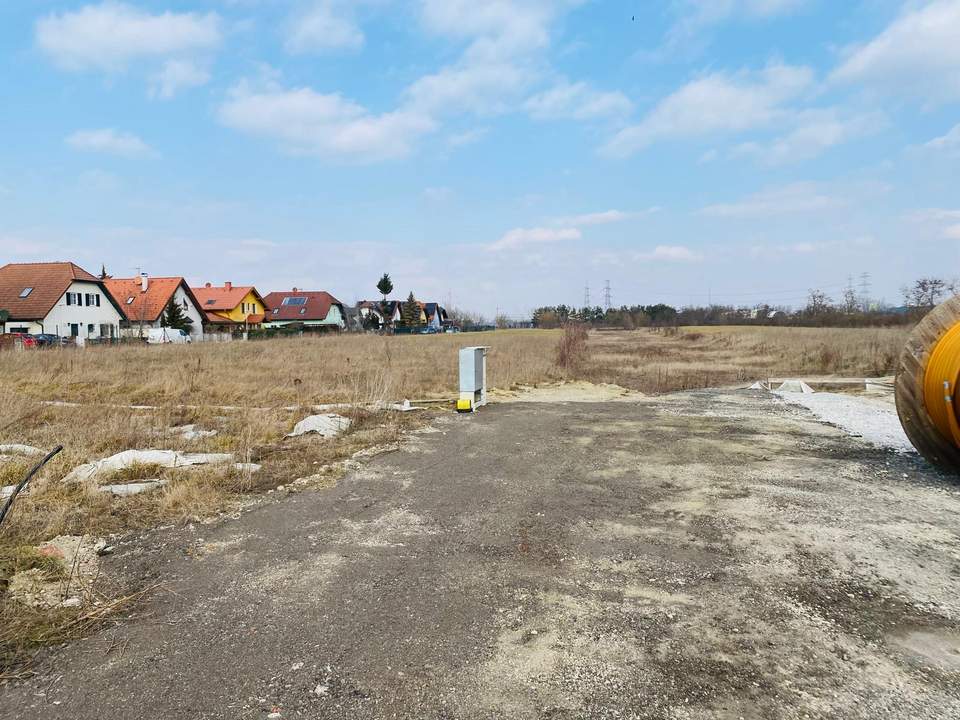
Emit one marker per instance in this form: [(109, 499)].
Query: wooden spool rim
[(909, 387)]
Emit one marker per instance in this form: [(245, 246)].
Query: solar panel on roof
[(294, 301)]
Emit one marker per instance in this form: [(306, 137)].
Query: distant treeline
[(660, 315)]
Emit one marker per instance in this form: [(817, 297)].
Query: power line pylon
[(607, 296)]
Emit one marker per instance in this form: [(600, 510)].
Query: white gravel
[(873, 419)]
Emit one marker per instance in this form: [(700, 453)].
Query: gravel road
[(704, 555)]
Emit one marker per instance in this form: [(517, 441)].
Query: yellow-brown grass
[(663, 360)]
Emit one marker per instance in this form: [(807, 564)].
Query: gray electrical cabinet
[(473, 378)]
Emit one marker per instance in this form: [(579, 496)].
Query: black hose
[(23, 483)]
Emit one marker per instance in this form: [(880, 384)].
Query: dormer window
[(25, 292)]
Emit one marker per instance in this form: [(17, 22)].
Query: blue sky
[(500, 154)]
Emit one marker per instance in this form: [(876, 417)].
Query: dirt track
[(707, 555)]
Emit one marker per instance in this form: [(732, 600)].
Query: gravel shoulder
[(704, 555)]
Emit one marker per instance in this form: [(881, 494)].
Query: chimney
[(208, 285), (228, 285), (295, 290), (144, 282)]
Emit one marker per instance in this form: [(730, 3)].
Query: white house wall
[(60, 317), (191, 311)]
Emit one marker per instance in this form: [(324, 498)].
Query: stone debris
[(328, 425), (133, 488), (80, 564), (128, 458), (6, 491), (796, 386), (17, 449), (247, 467), (760, 386), (191, 432)]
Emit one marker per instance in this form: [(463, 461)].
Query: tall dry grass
[(664, 360), (286, 371)]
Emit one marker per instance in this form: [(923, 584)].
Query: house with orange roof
[(57, 298), (230, 306), (308, 309), (144, 302)]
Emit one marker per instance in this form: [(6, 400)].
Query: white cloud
[(578, 101), (798, 198), (110, 35), (109, 141), (467, 137), (521, 237), (948, 144), (943, 222), (917, 54), (669, 253), (816, 131), (697, 15), (597, 218), (326, 25), (480, 88), (952, 232), (308, 122), (176, 75), (717, 103), (497, 27)]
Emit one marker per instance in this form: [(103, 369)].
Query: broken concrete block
[(328, 426), (796, 386), (190, 432), (17, 449), (134, 488), (128, 458)]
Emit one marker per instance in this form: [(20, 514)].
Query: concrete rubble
[(129, 458), (191, 432), (328, 425), (18, 449), (78, 556), (796, 386), (133, 488)]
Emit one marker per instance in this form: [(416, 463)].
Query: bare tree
[(925, 292), (818, 303)]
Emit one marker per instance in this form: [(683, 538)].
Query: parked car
[(50, 340), (451, 329), (429, 330), (161, 336)]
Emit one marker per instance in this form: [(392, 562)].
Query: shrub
[(572, 348)]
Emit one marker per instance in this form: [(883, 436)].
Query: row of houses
[(63, 299)]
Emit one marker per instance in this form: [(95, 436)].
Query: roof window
[(294, 301), (211, 301), (130, 300), (25, 292)]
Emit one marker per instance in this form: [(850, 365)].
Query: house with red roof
[(144, 301), (312, 309), (57, 298), (230, 306)]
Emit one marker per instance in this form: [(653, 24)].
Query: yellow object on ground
[(940, 384), (464, 405)]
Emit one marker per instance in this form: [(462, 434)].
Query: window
[(294, 301), (90, 328), (130, 300), (69, 298), (303, 310), (96, 299), (74, 330), (276, 310), (25, 292), (210, 302)]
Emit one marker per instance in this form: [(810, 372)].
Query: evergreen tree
[(411, 312), (174, 317), (103, 272), (385, 286)]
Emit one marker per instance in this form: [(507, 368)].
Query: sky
[(494, 155)]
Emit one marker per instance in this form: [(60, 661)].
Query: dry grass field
[(100, 401), (663, 360)]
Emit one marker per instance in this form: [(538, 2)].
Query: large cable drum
[(926, 386)]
